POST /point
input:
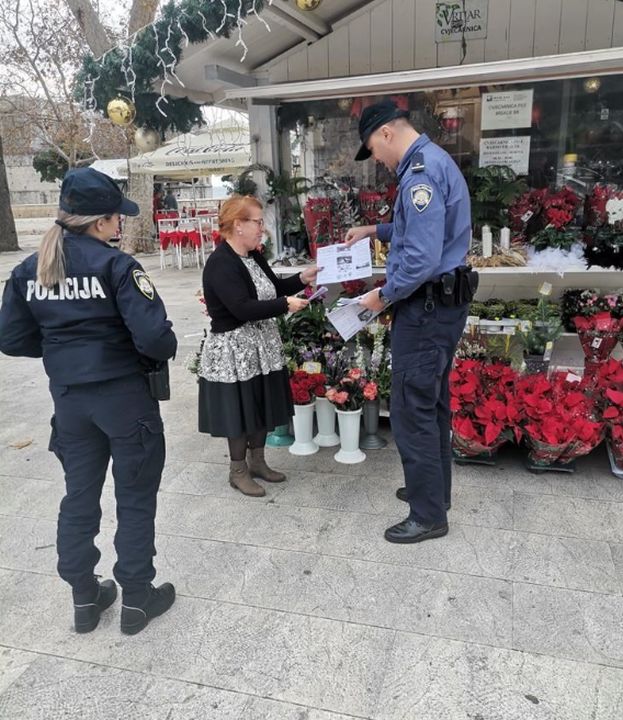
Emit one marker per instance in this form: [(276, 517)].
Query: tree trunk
[(142, 13), (137, 234), (138, 231), (94, 32), (8, 234)]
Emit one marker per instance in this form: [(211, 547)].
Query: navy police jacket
[(431, 227), (94, 326)]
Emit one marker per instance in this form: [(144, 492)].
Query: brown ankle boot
[(240, 479), (259, 468)]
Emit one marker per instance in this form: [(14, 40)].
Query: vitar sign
[(458, 19)]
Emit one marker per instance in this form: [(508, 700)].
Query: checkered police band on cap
[(372, 118), (86, 191)]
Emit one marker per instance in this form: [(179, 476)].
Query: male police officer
[(429, 288), (95, 317)]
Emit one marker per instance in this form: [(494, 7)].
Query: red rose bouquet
[(558, 418), (306, 387), (484, 410), (351, 391)]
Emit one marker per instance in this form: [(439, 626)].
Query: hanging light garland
[(149, 58)]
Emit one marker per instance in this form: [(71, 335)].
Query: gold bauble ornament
[(121, 111), (308, 4), (146, 140)]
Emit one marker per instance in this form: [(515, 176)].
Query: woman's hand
[(355, 234), (308, 276), (296, 303)]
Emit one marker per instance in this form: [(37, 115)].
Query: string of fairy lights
[(178, 25)]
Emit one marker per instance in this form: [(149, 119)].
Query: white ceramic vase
[(325, 417), (349, 422), (303, 422)]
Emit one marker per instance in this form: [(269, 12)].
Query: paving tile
[(431, 678), (13, 664), (572, 517), (543, 560), (327, 664), (402, 598), (568, 623), (52, 688)]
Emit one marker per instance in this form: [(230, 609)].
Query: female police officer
[(94, 316)]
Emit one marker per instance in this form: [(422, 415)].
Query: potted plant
[(334, 365), (484, 410), (376, 365), (558, 422), (538, 336), (348, 397), (305, 387), (492, 190), (599, 324)]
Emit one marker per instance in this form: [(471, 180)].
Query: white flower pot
[(303, 422), (325, 416), (349, 422)]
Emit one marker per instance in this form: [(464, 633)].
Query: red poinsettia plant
[(544, 217), (306, 387), (485, 414), (354, 288), (598, 335), (559, 417), (609, 399), (352, 391)]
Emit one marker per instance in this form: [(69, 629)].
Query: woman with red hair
[(244, 389)]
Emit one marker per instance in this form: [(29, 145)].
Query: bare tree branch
[(91, 27)]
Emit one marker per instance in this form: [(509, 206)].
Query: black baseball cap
[(86, 191), (372, 118)]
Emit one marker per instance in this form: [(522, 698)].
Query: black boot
[(401, 494), (135, 618), (89, 606)]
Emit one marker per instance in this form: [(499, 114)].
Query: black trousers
[(92, 423), (423, 345)]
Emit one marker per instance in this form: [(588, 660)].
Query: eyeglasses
[(259, 223)]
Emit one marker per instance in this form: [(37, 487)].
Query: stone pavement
[(293, 607)]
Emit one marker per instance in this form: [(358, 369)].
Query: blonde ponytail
[(51, 255)]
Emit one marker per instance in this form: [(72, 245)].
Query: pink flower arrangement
[(352, 391)]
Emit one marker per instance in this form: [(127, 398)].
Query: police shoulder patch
[(421, 195), (144, 284)]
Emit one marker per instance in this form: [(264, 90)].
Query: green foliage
[(149, 58), (543, 329), (493, 189), (50, 165), (555, 238)]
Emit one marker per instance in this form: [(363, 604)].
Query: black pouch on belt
[(158, 377), (467, 284), (447, 289)]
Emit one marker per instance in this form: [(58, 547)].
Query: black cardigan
[(230, 295)]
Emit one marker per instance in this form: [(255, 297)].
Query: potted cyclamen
[(348, 398), (303, 386)]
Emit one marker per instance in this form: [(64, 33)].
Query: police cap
[(372, 118), (86, 191)]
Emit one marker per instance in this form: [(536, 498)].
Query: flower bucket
[(303, 422), (325, 417), (371, 439), (280, 437), (349, 422)]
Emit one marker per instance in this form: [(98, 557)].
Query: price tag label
[(545, 289), (526, 216), (573, 378), (549, 346), (596, 343), (311, 367)]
